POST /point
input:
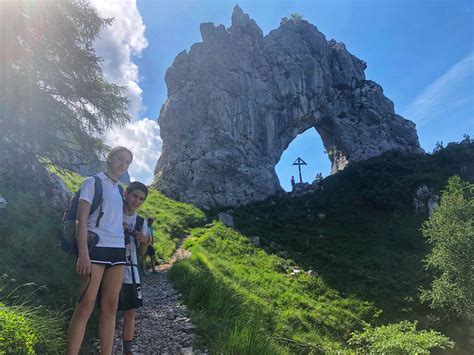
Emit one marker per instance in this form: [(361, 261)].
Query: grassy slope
[(368, 249), (254, 288)]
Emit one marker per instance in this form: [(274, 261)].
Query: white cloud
[(451, 91), (143, 139), (118, 43)]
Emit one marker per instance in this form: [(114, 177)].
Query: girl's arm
[(83, 266)]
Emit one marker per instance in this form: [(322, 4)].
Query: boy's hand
[(141, 237)]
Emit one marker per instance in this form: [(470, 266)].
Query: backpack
[(68, 238)]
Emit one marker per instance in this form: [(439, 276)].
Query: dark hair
[(136, 185), (150, 220)]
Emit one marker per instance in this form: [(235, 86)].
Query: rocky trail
[(162, 326)]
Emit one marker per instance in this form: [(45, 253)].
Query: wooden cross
[(300, 162)]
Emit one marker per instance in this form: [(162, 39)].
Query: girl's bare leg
[(111, 284), (83, 310)]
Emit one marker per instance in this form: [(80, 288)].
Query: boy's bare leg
[(128, 329), (83, 310), (111, 284)]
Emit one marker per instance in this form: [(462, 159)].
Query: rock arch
[(238, 99)]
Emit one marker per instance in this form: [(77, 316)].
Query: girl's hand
[(83, 266)]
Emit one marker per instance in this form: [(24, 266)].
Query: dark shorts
[(130, 297), (150, 251), (108, 256)]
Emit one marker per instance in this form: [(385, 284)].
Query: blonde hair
[(116, 150)]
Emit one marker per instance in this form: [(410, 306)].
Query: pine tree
[(54, 100)]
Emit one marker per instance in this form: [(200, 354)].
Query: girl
[(104, 266)]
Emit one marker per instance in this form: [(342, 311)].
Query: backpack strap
[(120, 190), (98, 199)]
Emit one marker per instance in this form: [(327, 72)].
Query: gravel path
[(162, 326)]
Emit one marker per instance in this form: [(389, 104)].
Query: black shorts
[(130, 297), (108, 256), (150, 251)]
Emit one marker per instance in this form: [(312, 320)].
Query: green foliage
[(450, 232), (31, 330), (388, 182), (55, 102), (296, 17), (16, 335), (400, 338)]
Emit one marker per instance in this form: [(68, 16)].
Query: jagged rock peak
[(241, 22), (238, 99)]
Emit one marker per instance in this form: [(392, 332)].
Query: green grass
[(31, 330), (173, 221), (230, 280)]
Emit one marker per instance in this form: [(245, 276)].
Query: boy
[(137, 236)]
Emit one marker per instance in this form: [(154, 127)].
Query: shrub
[(296, 17), (43, 326), (399, 338), (16, 335), (450, 231)]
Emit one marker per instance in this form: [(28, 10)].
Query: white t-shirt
[(131, 250), (110, 229)]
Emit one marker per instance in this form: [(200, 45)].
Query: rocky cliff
[(239, 98)]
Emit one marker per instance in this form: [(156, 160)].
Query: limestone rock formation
[(239, 98)]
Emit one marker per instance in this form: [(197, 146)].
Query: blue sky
[(420, 52)]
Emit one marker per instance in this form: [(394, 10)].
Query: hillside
[(365, 255)]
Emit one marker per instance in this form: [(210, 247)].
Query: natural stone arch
[(307, 145), (238, 99)]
